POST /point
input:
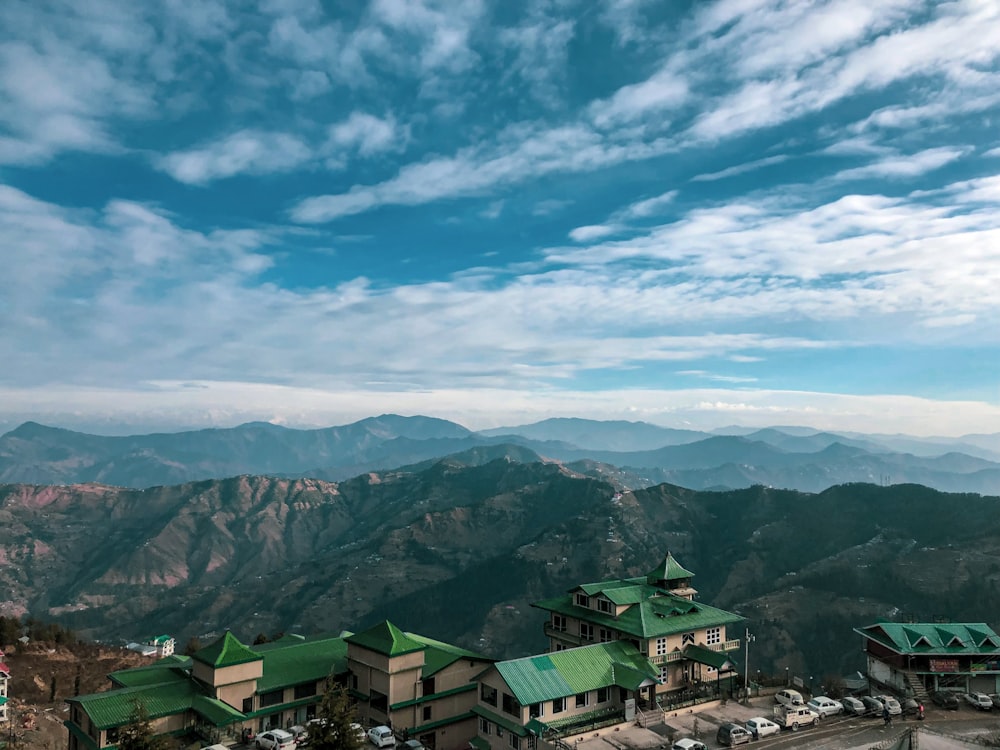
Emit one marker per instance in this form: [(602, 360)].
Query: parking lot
[(940, 730)]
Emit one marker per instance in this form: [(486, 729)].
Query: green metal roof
[(505, 721), (702, 655), (164, 670), (116, 708), (950, 639), (478, 743), (297, 661), (438, 655), (218, 713), (668, 570), (577, 670), (440, 723), (433, 696), (385, 638), (226, 651), (654, 614)]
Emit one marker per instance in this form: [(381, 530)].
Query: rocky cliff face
[(459, 552)]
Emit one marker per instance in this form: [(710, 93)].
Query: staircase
[(917, 687)]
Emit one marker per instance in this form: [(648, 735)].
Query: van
[(788, 697), (732, 734)]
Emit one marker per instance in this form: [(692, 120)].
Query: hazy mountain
[(797, 459), (460, 551), (606, 436)]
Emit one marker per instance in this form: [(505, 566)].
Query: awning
[(717, 659)]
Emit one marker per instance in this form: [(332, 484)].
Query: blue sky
[(695, 214)]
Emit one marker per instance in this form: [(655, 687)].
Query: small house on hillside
[(916, 658), (4, 679)]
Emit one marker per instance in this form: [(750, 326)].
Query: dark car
[(944, 699)]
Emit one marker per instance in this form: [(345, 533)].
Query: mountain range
[(458, 548), (638, 454)]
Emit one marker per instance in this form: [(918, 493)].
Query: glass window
[(484, 726), (713, 636), (582, 600), (514, 741), (603, 695), (605, 606), (586, 631), (559, 623), (535, 710), (488, 694), (605, 635), (661, 646), (558, 705), (510, 705), (582, 700)]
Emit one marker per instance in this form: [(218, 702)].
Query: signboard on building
[(943, 665)]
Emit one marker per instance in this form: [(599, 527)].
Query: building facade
[(688, 641), (919, 658), (4, 679), (558, 695)]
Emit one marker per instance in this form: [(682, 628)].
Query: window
[(484, 727), (488, 694), (559, 623), (427, 713), (558, 705), (510, 705), (713, 636), (535, 710), (582, 600), (582, 700), (559, 647), (661, 646), (532, 742), (272, 698), (304, 691), (603, 695), (606, 635), (514, 741), (247, 705), (428, 686), (379, 702), (586, 631), (605, 606), (664, 673)]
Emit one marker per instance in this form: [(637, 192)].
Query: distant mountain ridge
[(645, 454)]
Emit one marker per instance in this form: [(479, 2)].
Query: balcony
[(667, 658), (566, 637)]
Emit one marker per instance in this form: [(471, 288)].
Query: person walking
[(886, 717)]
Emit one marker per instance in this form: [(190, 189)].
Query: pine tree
[(336, 728), (138, 733)]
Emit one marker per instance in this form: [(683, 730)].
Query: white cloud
[(368, 135), (244, 152), (740, 168), (661, 92), (592, 232), (905, 165)]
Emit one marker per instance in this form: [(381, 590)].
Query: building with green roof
[(657, 613), (422, 688), (560, 695), (221, 691), (916, 658), (419, 686)]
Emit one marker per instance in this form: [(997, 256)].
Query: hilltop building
[(421, 687), (917, 658), (687, 641)]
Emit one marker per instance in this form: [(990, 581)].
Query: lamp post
[(746, 668)]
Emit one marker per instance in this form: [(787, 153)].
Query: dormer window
[(582, 600), (603, 605)]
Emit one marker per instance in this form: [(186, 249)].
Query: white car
[(979, 700), (686, 743), (826, 706), (381, 736), (759, 727), (891, 703), (275, 739)]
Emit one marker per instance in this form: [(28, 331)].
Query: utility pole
[(746, 668)]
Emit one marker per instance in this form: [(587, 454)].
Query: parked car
[(413, 745), (872, 705), (381, 736), (789, 697), (275, 739), (759, 727), (826, 706), (358, 730), (301, 735), (945, 699), (732, 734), (979, 700), (891, 703), (793, 717), (853, 706), (686, 743)]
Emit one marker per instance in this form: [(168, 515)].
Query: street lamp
[(746, 668)]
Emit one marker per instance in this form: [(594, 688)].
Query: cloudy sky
[(695, 214)]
